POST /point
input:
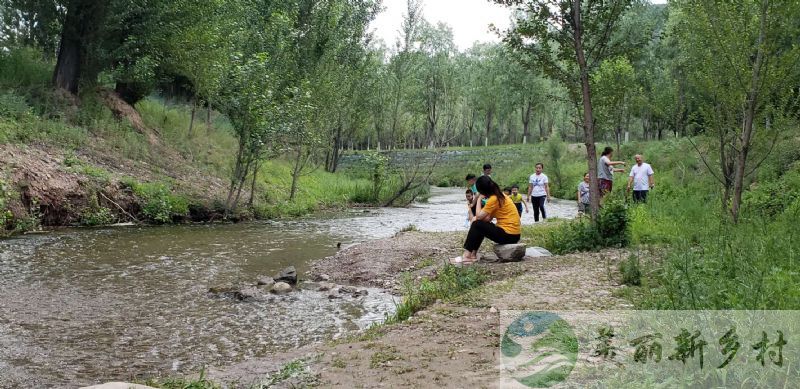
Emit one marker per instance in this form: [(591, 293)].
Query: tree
[(31, 23), (739, 55), (616, 89), (568, 39)]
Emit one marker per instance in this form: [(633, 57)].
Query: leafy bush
[(13, 106), (580, 235), (631, 271), (97, 216), (24, 67), (157, 201), (770, 199), (612, 226)]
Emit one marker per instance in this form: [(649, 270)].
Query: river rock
[(281, 288), (322, 277), (245, 293), (326, 286), (118, 385), (510, 252), (360, 293), (265, 281), (536, 252), (348, 289), (288, 275)]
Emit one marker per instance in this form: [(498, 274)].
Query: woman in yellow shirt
[(498, 206)]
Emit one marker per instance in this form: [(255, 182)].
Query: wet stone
[(281, 288), (288, 275)]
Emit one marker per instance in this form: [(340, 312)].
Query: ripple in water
[(85, 306)]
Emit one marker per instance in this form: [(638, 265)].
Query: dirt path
[(454, 344)]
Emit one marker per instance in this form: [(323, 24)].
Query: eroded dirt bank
[(50, 187), (449, 344)]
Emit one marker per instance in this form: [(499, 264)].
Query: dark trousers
[(481, 229), (640, 196), (519, 208), (538, 205)]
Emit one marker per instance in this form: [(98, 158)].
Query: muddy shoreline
[(449, 344)]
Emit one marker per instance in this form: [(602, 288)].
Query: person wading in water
[(498, 206)]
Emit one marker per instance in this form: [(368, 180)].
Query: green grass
[(450, 282)]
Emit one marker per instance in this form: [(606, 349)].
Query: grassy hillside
[(70, 161)]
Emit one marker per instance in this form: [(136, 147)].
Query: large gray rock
[(288, 275), (536, 252), (509, 252), (281, 288)]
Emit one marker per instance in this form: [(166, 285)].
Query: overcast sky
[(470, 19)]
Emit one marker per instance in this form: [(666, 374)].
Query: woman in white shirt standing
[(538, 191)]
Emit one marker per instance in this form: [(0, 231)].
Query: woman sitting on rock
[(498, 206)]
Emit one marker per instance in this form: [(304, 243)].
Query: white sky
[(469, 19)]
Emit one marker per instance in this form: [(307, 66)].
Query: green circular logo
[(539, 349)]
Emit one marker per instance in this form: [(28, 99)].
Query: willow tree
[(567, 40)]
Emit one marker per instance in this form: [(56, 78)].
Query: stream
[(84, 306)]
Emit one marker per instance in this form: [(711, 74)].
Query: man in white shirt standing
[(642, 179)]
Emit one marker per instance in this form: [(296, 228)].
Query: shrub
[(580, 235), (97, 216), (612, 226), (630, 270), (24, 67), (157, 202)]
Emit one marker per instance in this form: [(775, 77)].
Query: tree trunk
[(588, 115), (334, 162), (489, 117), (251, 200), (67, 73), (208, 116), (296, 172), (749, 117), (526, 120), (191, 119)]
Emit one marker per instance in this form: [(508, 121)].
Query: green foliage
[(450, 282), (579, 235), (377, 163), (184, 383), (409, 228), (158, 202), (97, 216), (296, 368), (612, 226), (24, 68), (631, 271), (5, 215)]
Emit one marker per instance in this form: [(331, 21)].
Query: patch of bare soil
[(41, 183), (453, 344), (123, 110)]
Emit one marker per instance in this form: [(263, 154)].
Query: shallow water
[(84, 306)]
